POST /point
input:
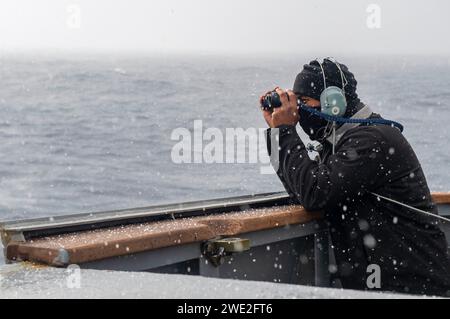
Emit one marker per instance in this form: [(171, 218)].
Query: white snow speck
[(369, 241)]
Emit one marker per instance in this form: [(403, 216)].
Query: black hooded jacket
[(409, 248)]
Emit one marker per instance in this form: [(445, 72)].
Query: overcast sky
[(227, 26)]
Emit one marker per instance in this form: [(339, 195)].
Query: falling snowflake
[(369, 241)]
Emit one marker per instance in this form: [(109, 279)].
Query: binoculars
[(271, 100)]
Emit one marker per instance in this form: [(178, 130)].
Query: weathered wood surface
[(102, 243)]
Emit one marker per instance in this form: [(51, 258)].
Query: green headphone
[(332, 98)]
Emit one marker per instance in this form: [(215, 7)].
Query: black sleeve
[(351, 171)]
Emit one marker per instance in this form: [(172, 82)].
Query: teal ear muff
[(333, 102), (332, 98)]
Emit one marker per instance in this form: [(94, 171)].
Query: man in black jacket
[(407, 246)]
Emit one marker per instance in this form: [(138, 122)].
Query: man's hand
[(287, 114)]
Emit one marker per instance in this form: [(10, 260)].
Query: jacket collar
[(364, 113)]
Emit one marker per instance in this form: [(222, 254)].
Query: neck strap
[(363, 113)]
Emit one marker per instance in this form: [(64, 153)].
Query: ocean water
[(91, 133)]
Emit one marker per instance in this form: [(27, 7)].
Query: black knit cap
[(309, 82)]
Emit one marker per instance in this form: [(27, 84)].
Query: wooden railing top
[(441, 197), (85, 246)]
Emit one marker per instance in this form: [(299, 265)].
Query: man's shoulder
[(376, 133), (384, 138)]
